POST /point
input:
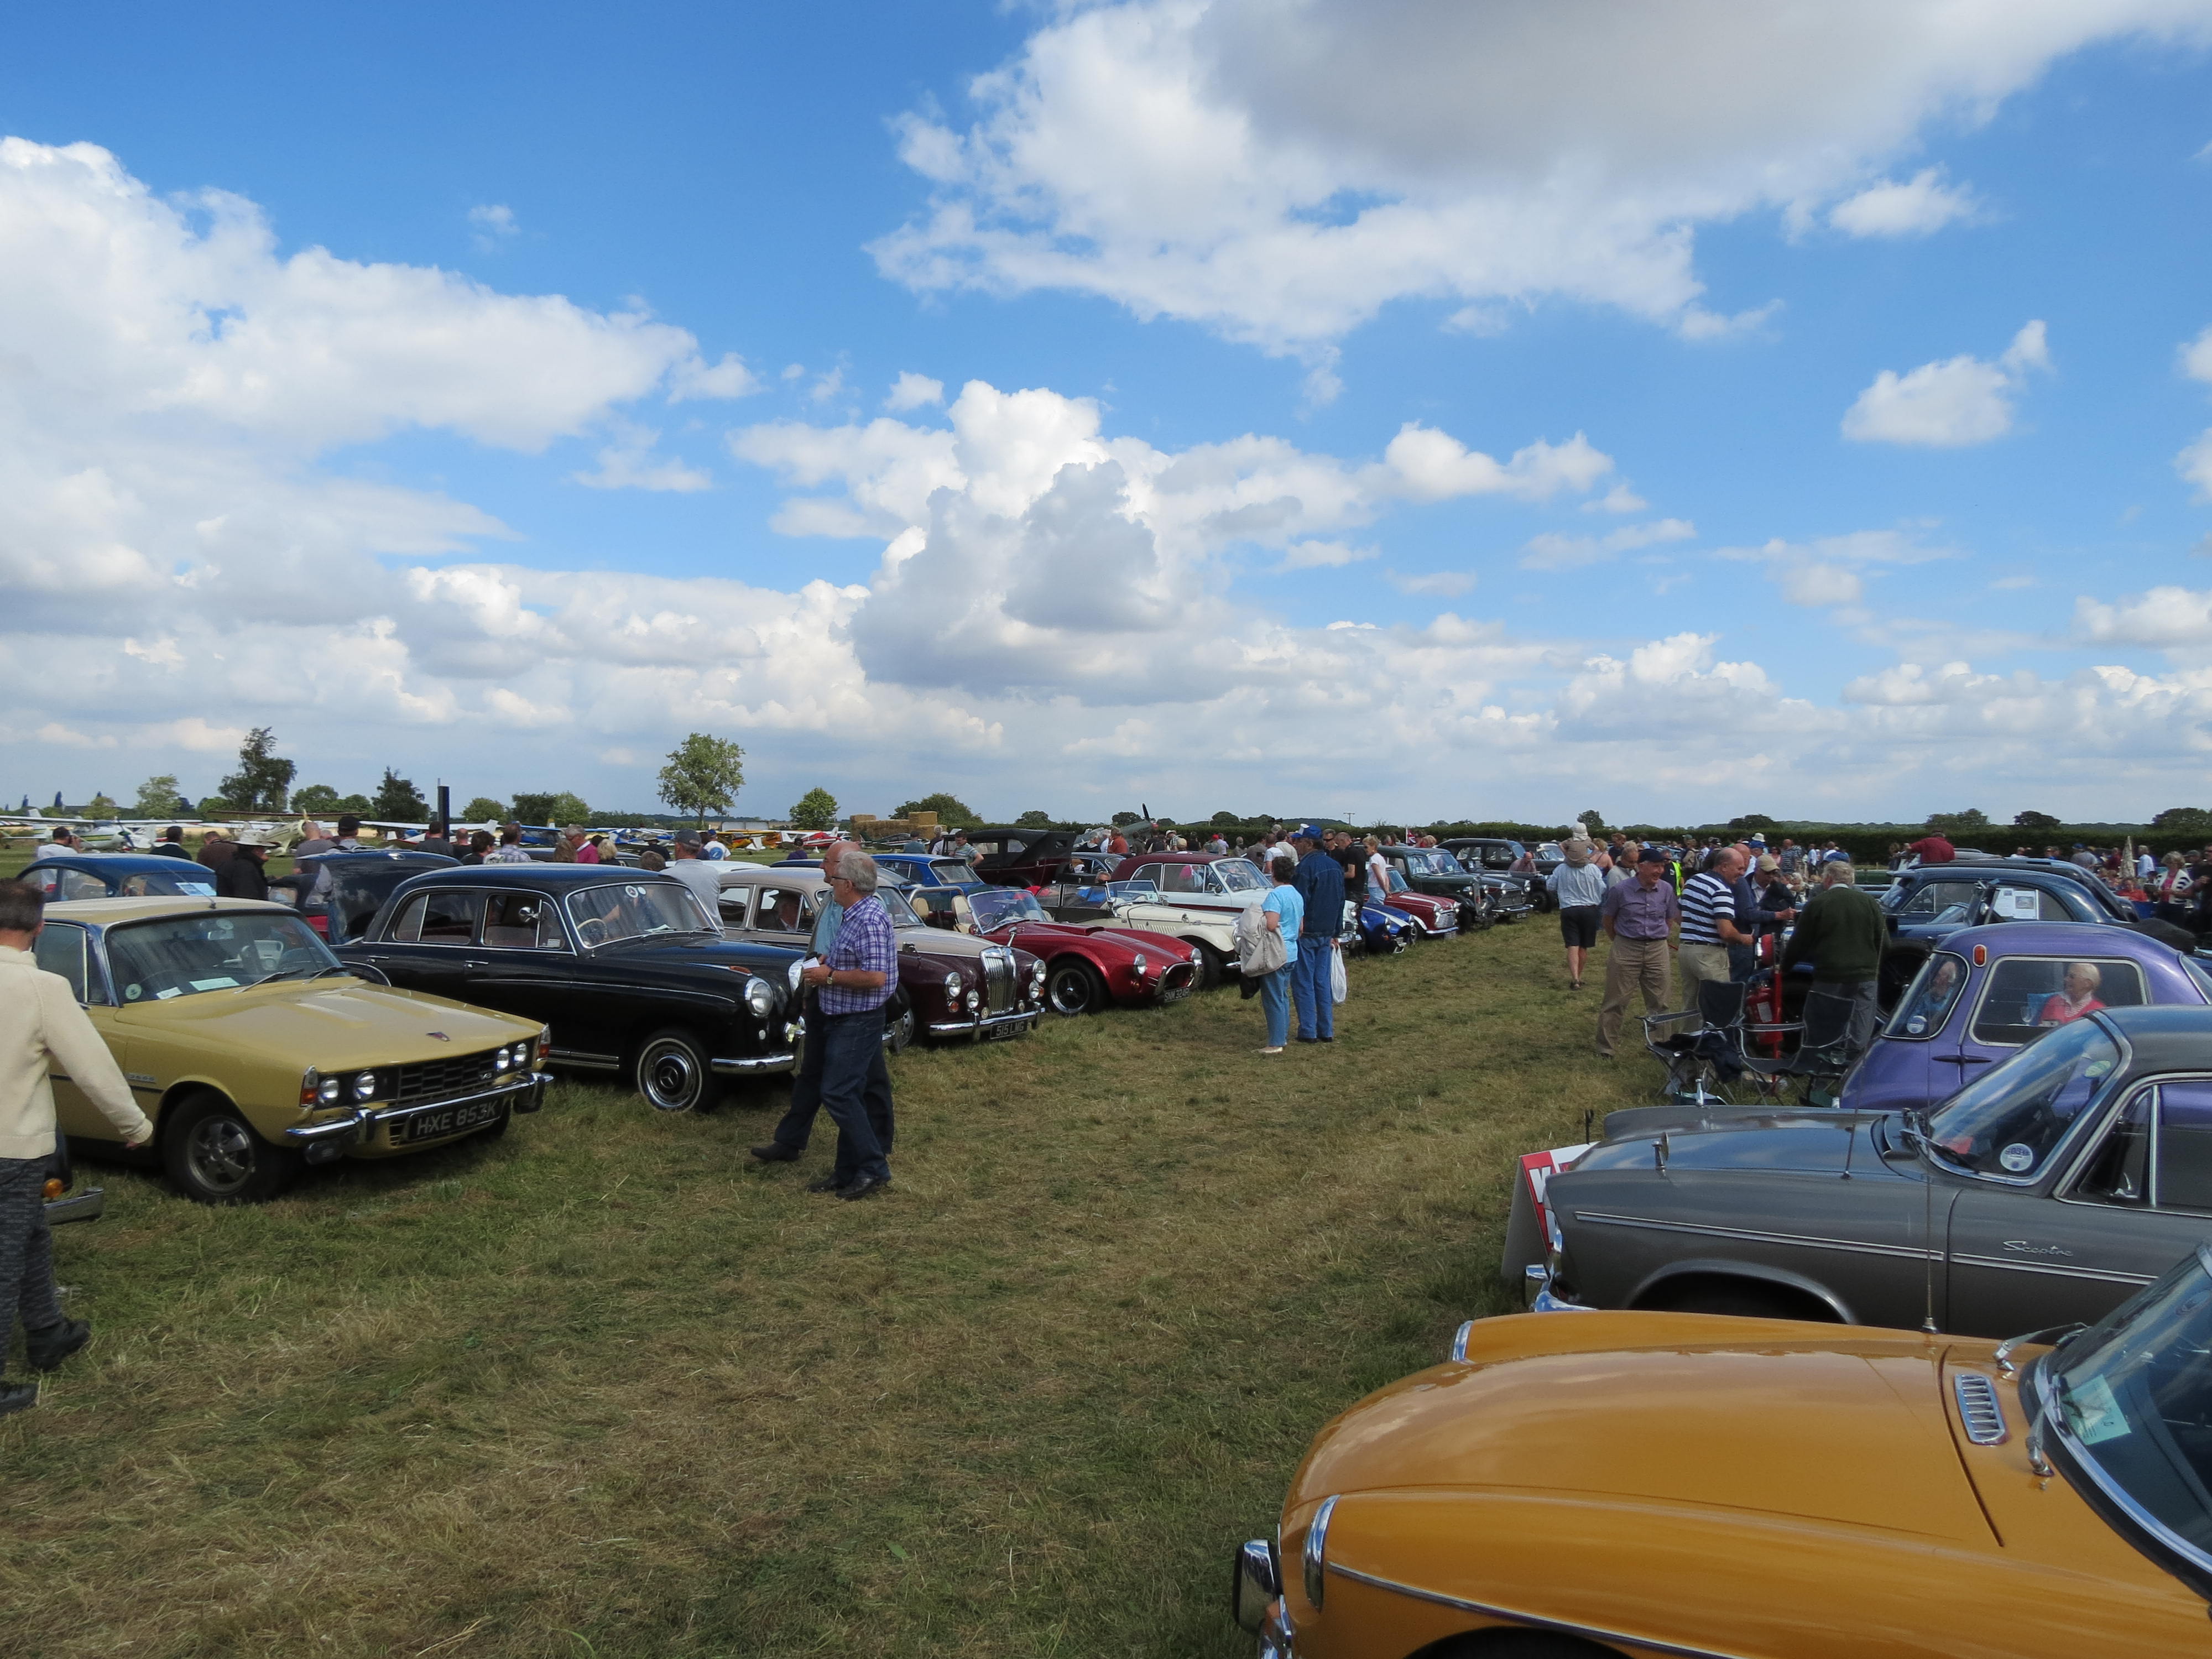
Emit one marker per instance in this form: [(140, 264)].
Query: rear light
[(544, 1045)]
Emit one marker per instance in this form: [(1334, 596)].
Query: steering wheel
[(591, 932)]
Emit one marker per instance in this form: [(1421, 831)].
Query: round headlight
[(760, 997), (503, 1060), (328, 1094), (975, 1001), (1137, 961), (364, 1085), (954, 984)]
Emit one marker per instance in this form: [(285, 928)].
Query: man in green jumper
[(1842, 932)]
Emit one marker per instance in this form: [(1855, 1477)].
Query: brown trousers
[(1632, 964)]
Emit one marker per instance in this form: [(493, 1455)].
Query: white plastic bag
[(1339, 988)]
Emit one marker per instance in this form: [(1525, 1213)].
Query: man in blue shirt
[(1319, 883), (796, 1126)]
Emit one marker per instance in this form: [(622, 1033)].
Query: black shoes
[(864, 1186), (18, 1396), (774, 1151), (47, 1348), (828, 1183)]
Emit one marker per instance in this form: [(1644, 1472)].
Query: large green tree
[(2041, 823), (703, 775), (2183, 821), (399, 801), (558, 808), (159, 797), (816, 810), (317, 800), (949, 809), (263, 777), (1035, 819), (1970, 822), (483, 810)]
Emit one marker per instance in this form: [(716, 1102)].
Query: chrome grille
[(442, 1080), (998, 981), (1979, 1408)]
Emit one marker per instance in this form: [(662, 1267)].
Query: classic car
[(254, 1050), (951, 985), (1381, 931), (1513, 892), (2052, 1185), (1733, 1489), (1438, 873), (1988, 989), (120, 875), (1016, 856), (340, 893), (925, 869), (628, 972), (1927, 903), (1433, 917), (1087, 967), (1138, 907)]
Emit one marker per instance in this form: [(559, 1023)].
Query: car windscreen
[(2007, 1122), (1238, 875), (168, 957), (1435, 862), (951, 872), (1923, 1008), (2132, 1395), (994, 907), (627, 910)]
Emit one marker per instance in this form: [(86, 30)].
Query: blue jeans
[(1309, 984), (856, 1092), (1275, 999)]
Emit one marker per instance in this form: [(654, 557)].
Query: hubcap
[(671, 1079), (1070, 991), (221, 1154)]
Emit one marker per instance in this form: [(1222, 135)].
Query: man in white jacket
[(42, 1031)]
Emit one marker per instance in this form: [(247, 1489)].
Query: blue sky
[(1279, 278)]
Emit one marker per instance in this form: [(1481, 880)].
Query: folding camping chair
[(1823, 1055), (1703, 1066)]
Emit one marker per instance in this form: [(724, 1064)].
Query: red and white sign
[(1537, 1170)]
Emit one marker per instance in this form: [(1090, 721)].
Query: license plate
[(1001, 1033), (450, 1121)]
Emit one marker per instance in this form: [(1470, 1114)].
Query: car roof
[(2164, 1036), (1174, 858), (105, 912), (533, 875), (396, 855), (763, 875), (2060, 938), (110, 864)]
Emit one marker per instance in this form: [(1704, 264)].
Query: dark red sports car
[(1086, 967)]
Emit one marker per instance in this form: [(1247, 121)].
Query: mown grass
[(605, 1387)]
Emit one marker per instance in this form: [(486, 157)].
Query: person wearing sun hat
[(241, 875), (1579, 886)]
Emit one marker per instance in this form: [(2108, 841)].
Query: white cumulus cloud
[(1949, 404), (1918, 207), (913, 391)]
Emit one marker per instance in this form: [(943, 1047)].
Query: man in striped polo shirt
[(1709, 926)]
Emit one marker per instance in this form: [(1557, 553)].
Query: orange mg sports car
[(1638, 1484)]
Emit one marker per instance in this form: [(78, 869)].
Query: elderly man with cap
[(42, 1030), (241, 875), (697, 874), (1320, 882), (1638, 915)]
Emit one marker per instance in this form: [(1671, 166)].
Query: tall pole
[(444, 810)]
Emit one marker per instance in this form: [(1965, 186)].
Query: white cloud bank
[(1280, 170), (1056, 617), (1951, 405)]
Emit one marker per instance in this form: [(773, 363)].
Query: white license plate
[(450, 1121)]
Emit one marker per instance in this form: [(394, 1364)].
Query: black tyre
[(1521, 1645), (1211, 964), (900, 1023), (673, 1072), (214, 1156), (1072, 987)]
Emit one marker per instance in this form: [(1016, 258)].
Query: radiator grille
[(998, 981), (1980, 1409), (442, 1080)]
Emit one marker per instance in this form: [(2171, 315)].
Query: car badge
[(440, 1036)]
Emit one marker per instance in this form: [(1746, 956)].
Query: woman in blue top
[(1285, 909)]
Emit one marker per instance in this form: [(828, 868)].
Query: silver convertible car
[(2048, 1191)]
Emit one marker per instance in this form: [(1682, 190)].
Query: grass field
[(605, 1387)]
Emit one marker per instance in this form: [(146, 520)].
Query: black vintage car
[(1926, 903), (340, 893), (626, 970), (1438, 873), (1508, 896), (2045, 1191)]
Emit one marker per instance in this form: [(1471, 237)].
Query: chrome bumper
[(332, 1136), (1256, 1597), (981, 1023), (87, 1206), (1536, 1294), (756, 1065)]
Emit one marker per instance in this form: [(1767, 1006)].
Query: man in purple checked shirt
[(854, 980)]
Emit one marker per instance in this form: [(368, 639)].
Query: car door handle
[(1975, 1059), (470, 962)]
